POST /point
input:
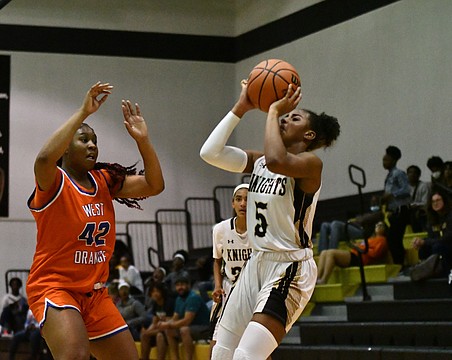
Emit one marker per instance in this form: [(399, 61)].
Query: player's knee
[(221, 353), (241, 354)]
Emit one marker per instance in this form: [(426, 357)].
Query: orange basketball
[(269, 81)]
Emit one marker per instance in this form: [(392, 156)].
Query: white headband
[(238, 187), (180, 256)]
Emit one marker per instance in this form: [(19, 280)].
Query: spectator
[(32, 334), (156, 278), (14, 308), (162, 310), (190, 320), (131, 275), (396, 198), (331, 233), (113, 292), (436, 166), (114, 266), (131, 310), (446, 184), (178, 269), (377, 251), (419, 192), (448, 175), (204, 280), (439, 240)]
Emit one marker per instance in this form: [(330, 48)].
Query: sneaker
[(7, 333)]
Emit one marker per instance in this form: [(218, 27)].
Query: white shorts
[(218, 308), (271, 283)]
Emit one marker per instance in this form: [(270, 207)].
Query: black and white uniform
[(235, 250), (280, 276)]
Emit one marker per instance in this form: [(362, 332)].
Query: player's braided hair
[(118, 173)]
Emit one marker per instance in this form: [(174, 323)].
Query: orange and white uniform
[(75, 240)]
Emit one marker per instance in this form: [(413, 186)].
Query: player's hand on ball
[(289, 102)]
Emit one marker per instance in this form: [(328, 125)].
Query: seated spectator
[(439, 240), (131, 310), (331, 233), (178, 269), (190, 320), (113, 292), (155, 279), (14, 308), (204, 281), (32, 334), (377, 252), (131, 275), (419, 192), (162, 311)]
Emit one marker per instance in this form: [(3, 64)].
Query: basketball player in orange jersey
[(278, 280), (73, 208)]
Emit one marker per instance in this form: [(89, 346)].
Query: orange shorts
[(99, 313)]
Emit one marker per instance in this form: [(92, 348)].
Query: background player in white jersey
[(231, 249), (278, 280)]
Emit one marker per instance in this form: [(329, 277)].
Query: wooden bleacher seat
[(202, 352)]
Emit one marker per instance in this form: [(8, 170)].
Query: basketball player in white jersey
[(231, 249), (278, 280)]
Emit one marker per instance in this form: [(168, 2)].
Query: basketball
[(269, 81)]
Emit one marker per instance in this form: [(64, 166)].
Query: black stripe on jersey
[(215, 317), (232, 223), (276, 303), (301, 203)]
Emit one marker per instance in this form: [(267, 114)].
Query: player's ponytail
[(326, 127), (118, 173)]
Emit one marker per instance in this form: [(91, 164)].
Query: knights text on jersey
[(75, 234), (279, 214), (233, 247)]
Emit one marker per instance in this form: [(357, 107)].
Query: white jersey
[(233, 247), (279, 214)]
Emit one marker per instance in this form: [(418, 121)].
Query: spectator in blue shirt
[(397, 198), (190, 320)]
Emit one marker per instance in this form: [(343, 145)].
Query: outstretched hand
[(91, 103), (134, 121), (289, 102)]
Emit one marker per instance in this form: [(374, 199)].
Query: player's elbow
[(158, 188), (206, 154)]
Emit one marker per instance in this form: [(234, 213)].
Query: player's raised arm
[(45, 166), (152, 182)]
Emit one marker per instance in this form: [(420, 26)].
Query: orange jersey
[(75, 234), (378, 248)]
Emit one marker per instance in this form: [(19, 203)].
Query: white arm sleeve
[(216, 153)]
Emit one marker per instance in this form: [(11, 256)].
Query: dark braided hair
[(118, 174), (326, 127)]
